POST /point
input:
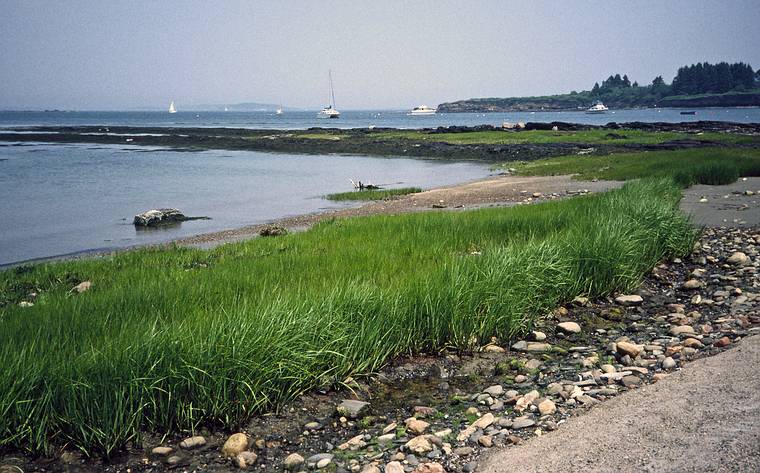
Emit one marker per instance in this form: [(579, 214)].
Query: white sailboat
[(172, 108), (329, 111), (279, 110)]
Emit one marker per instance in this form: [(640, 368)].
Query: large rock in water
[(155, 217)]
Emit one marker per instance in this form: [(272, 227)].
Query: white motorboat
[(422, 110), (598, 108), (330, 111), (172, 108)]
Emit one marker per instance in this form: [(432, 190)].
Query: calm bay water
[(356, 119), (58, 199)]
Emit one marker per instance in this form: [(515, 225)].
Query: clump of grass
[(176, 338), (373, 194), (711, 173)]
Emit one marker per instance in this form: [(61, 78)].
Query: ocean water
[(58, 199), (360, 119)]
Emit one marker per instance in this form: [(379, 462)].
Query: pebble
[(245, 459), (394, 467), (486, 441), (538, 336), (419, 445), (692, 343), (495, 390), (430, 468), (547, 407), (692, 284), (569, 327), (682, 330), (390, 428), (722, 342), (668, 363), (631, 381), (627, 348), (235, 444), (323, 463), (193, 442), (738, 259), (162, 451), (352, 408), (416, 426), (629, 300), (493, 349), (293, 462), (522, 345), (523, 422)]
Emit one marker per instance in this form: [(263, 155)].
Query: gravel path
[(703, 418)]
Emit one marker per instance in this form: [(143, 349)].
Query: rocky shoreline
[(442, 411), (365, 141)]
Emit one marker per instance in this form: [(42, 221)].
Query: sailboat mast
[(332, 92)]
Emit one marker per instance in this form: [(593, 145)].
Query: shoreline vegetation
[(175, 338), (698, 85), (373, 194)]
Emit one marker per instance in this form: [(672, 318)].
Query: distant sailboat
[(226, 109), (279, 110), (172, 108), (329, 111)]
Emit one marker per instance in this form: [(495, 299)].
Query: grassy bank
[(708, 166), (591, 137), (177, 338), (373, 194)]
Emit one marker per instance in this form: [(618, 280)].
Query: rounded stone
[(293, 461), (569, 327), (235, 444)]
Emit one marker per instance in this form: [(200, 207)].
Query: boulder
[(155, 217)]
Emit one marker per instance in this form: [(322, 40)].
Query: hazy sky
[(105, 55)]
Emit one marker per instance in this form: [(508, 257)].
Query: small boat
[(688, 113), (422, 110), (279, 110), (329, 111), (598, 108), (172, 108)]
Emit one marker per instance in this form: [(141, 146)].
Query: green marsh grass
[(611, 137), (705, 166), (172, 339), (373, 194)]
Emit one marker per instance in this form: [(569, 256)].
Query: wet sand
[(734, 205), (498, 191)]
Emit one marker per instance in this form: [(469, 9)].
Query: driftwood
[(362, 186)]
